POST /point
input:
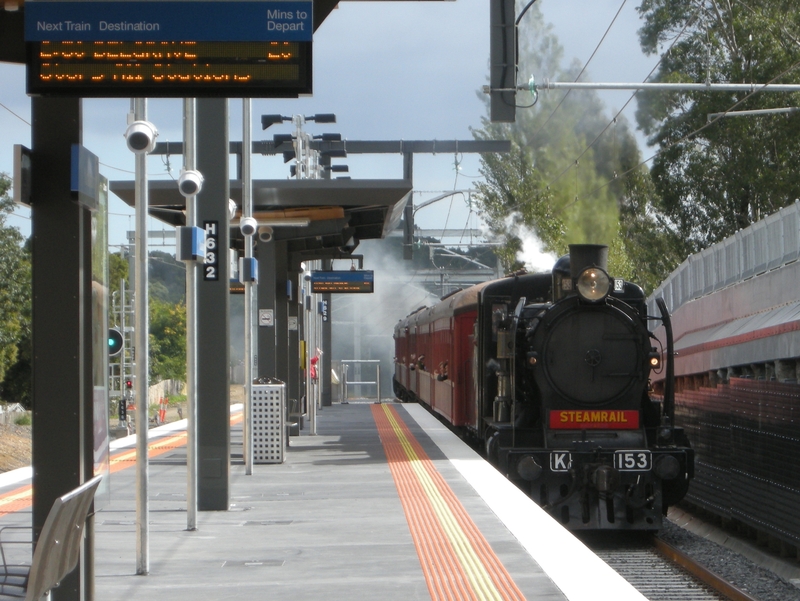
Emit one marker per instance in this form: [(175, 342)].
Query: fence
[(10, 412), (767, 244), (346, 363)]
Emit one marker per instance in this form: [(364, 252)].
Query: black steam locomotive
[(551, 374)]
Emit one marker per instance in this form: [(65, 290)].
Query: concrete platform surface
[(330, 523)]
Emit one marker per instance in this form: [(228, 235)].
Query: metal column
[(281, 312), (326, 346), (62, 321), (265, 253), (293, 385), (213, 308), (193, 271), (142, 348)]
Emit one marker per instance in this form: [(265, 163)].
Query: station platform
[(384, 503)]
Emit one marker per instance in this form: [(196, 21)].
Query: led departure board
[(342, 281), (169, 48), (98, 69)]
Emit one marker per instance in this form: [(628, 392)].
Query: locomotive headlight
[(529, 469), (593, 284), (667, 467)]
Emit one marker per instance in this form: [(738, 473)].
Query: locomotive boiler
[(550, 374)]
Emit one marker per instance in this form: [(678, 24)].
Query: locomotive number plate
[(560, 461), (633, 461)]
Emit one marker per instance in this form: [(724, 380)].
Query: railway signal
[(114, 342)]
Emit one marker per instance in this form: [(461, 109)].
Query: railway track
[(662, 573)]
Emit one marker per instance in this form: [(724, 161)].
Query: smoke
[(534, 257), (363, 324)]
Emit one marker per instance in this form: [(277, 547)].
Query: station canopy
[(315, 216)]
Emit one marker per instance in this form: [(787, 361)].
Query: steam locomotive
[(550, 374)]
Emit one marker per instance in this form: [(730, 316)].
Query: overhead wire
[(782, 27), (29, 125), (616, 117), (468, 199), (699, 129), (603, 131), (13, 113), (585, 66), (709, 123)]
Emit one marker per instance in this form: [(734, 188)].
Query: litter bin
[(268, 416)]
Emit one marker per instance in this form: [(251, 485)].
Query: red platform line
[(21, 498)]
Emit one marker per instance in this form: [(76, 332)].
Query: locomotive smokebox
[(582, 256)]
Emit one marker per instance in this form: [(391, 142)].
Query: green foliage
[(15, 291), (713, 179), (167, 340), (167, 287), (176, 399), (24, 419), (561, 181), (117, 271), (167, 277), (16, 387)]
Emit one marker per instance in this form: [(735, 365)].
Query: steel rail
[(701, 573)]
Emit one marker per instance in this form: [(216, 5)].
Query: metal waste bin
[(268, 417)]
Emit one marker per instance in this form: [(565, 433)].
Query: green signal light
[(114, 342)]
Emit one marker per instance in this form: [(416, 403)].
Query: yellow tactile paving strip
[(21, 498), (456, 559)]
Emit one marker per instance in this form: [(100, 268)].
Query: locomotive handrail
[(669, 386), (514, 326)]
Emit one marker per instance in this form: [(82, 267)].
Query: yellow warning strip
[(21, 498), (479, 578), (488, 579), (16, 500)]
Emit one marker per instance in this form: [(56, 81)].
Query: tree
[(117, 271), (167, 277), (15, 298), (561, 179), (167, 340), (715, 178)]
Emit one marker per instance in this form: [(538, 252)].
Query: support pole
[(213, 309), (247, 211), (62, 376), (266, 302), (189, 161), (142, 348), (280, 281), (327, 347), (293, 388)]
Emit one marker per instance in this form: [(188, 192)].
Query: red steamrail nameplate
[(594, 420)]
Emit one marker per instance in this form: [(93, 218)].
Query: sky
[(390, 70)]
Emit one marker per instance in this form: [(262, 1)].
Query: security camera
[(265, 233), (141, 137), (190, 182), (248, 226)]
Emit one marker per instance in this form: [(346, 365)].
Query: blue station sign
[(176, 20), (342, 281)]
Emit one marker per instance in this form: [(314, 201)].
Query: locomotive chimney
[(582, 256)]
